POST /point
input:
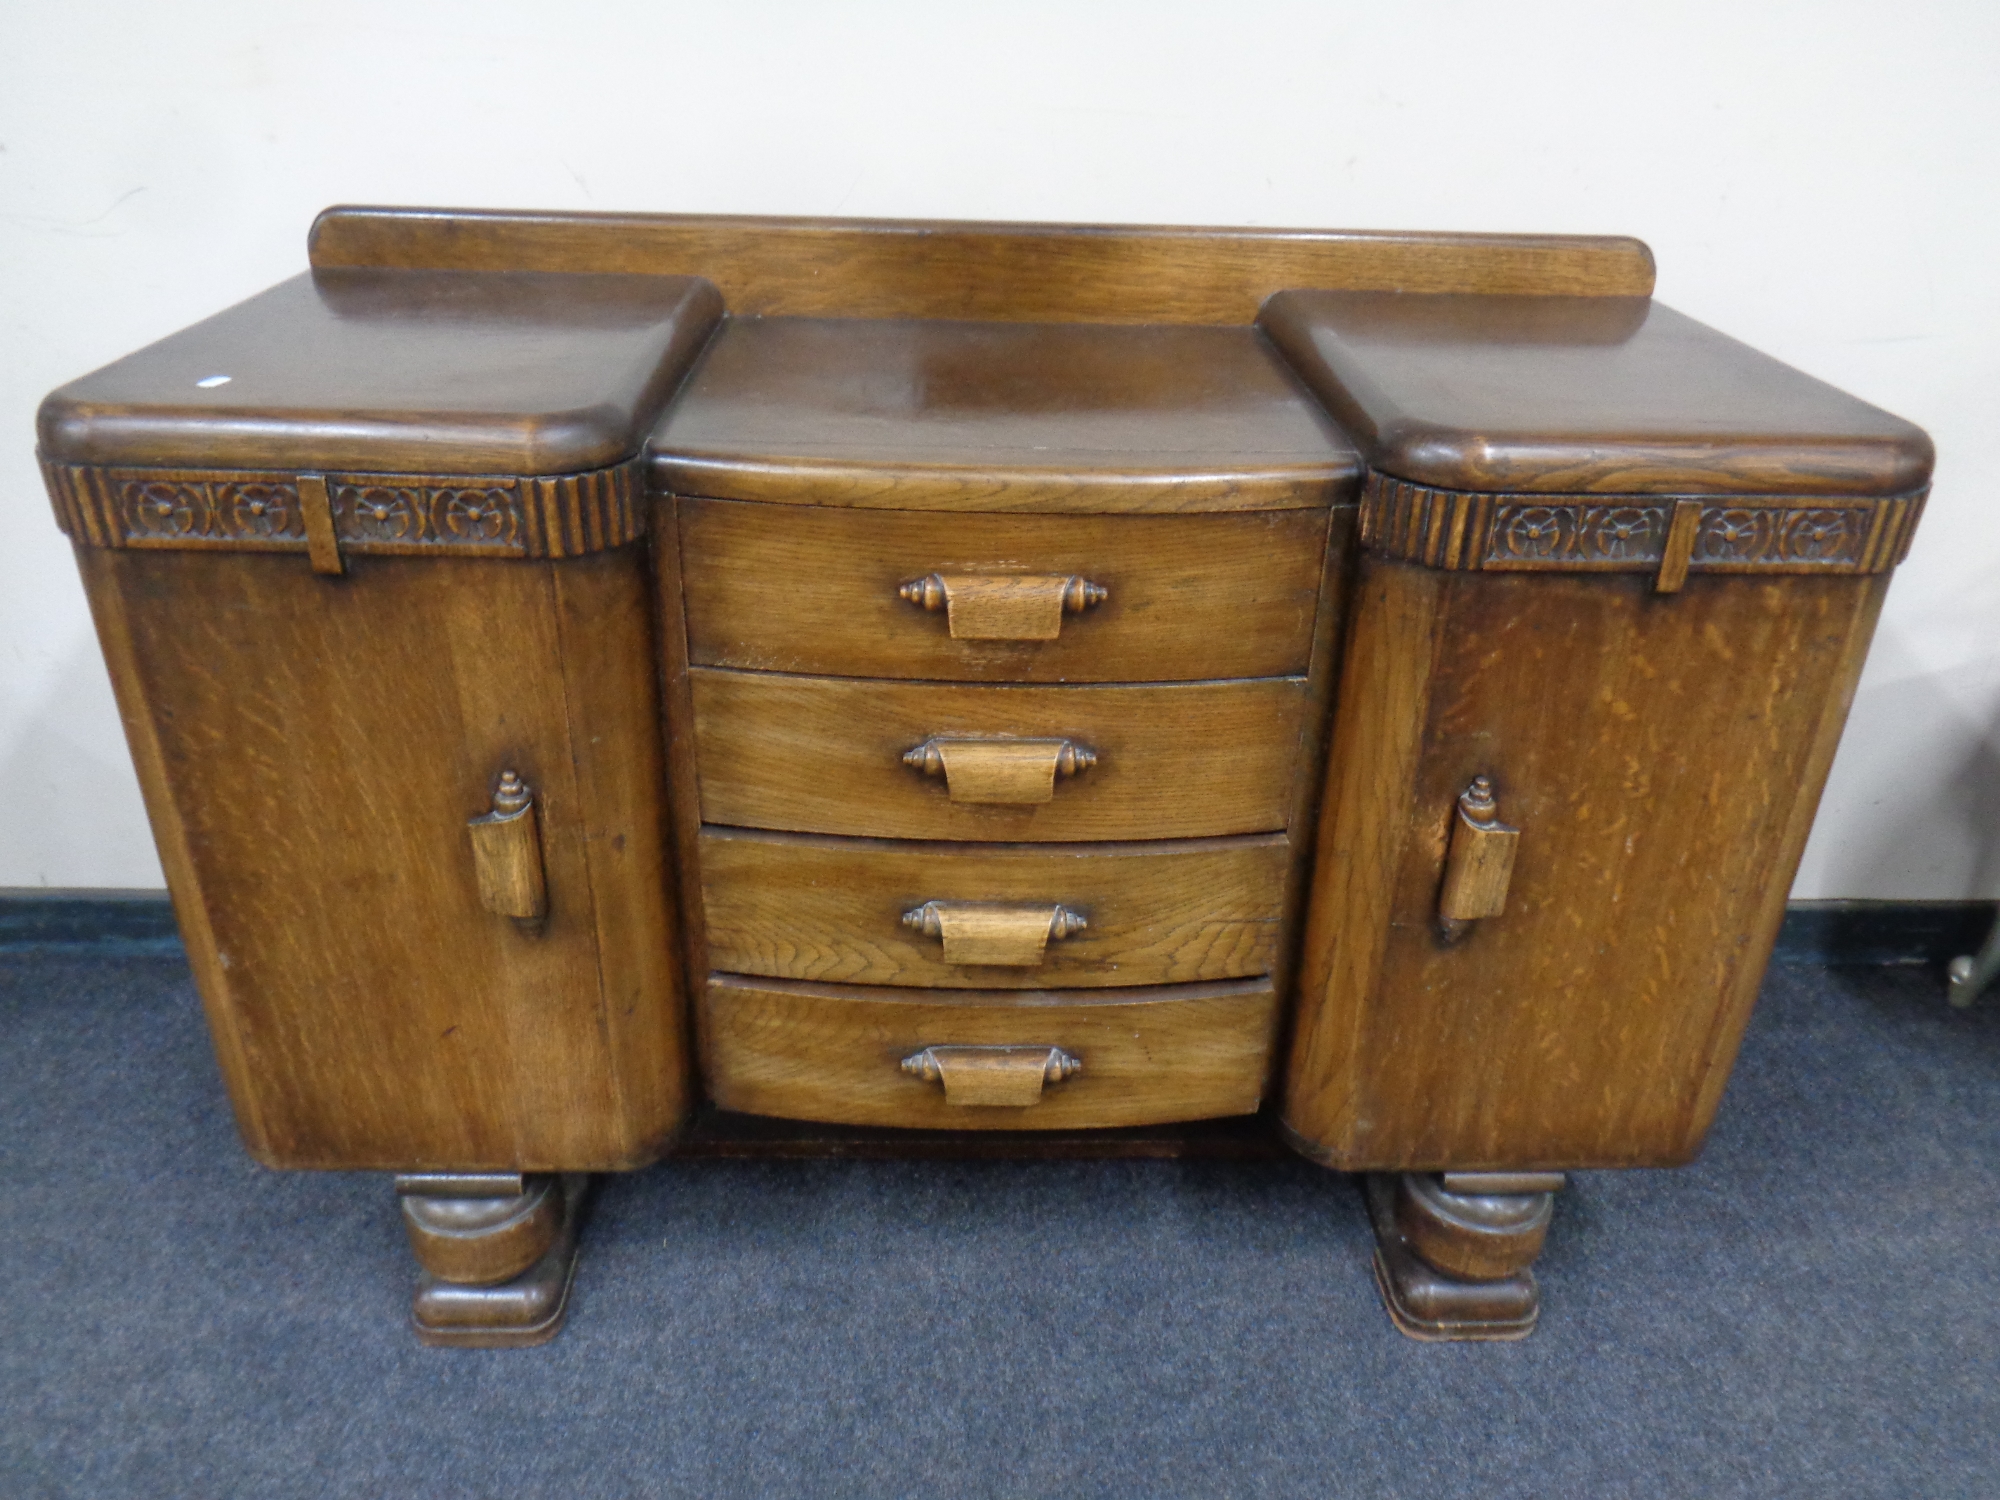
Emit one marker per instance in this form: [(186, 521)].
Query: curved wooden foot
[(1452, 1251), (498, 1252)]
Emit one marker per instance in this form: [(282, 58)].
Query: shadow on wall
[(73, 815), (1912, 808)]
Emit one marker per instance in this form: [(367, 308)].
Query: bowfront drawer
[(867, 911), (960, 761), (1044, 598), (985, 1060)]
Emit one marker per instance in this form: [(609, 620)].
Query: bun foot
[(498, 1253), (1452, 1252)]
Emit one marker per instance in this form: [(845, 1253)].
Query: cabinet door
[(1662, 756), (312, 751)]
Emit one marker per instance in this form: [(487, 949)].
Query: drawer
[(898, 760), (789, 588), (858, 1056), (868, 911)]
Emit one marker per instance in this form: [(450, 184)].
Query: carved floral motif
[(481, 515), (1538, 531), (1820, 535), (263, 510), (1460, 530), (166, 509), (185, 510), (1625, 533), (564, 515), (1590, 533), (377, 513)]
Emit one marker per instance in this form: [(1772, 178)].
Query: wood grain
[(835, 1052), (909, 415), (1592, 395), (1389, 654), (370, 1013), (810, 590), (825, 755), (1662, 755), (794, 906), (398, 372), (885, 268), (680, 797), (611, 689)]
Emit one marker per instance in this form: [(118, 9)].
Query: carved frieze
[(1629, 534), (373, 514)]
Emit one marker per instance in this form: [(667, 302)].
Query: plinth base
[(1426, 1304), (513, 1314)]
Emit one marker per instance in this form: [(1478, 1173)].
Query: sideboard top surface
[(1582, 394), (969, 366), (918, 414), (516, 373)]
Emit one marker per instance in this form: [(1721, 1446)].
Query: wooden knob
[(511, 795), (1013, 772), (1080, 594), (928, 592), (1007, 934), (1006, 606), (1002, 1077)]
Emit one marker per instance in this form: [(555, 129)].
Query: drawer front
[(790, 588), (795, 906), (827, 755), (838, 1053)]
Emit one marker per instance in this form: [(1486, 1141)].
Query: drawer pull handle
[(1480, 864), (1006, 934), (992, 1077), (507, 856), (1018, 773), (1004, 607)]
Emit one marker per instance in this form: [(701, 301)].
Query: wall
[(1818, 179)]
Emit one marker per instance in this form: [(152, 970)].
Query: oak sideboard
[(591, 674)]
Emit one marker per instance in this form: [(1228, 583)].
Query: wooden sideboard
[(590, 671)]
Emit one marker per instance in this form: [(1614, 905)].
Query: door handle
[(1479, 865), (507, 856)]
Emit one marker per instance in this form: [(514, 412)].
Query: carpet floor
[(1811, 1309)]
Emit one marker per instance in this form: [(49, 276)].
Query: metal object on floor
[(1968, 975)]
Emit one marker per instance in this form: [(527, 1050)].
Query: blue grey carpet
[(1813, 1309)]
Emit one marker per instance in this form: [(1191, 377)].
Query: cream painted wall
[(1818, 179)]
